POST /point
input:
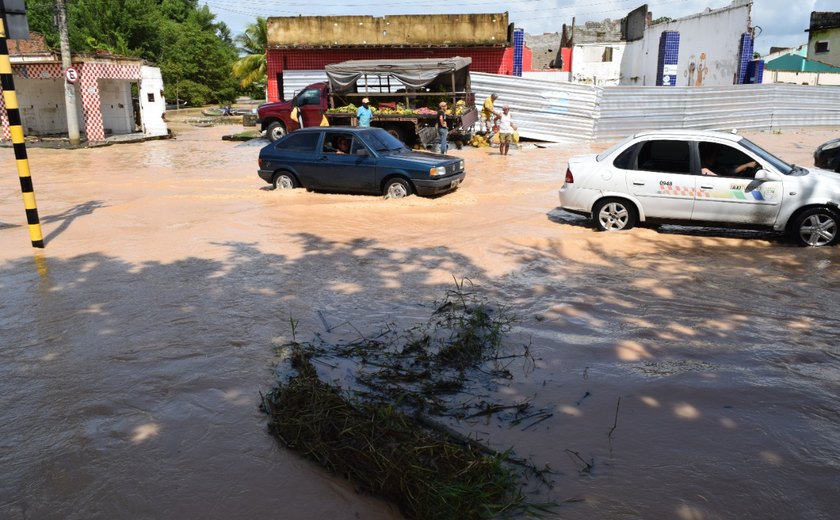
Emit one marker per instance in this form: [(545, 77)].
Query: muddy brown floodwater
[(133, 348)]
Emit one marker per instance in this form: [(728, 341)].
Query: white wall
[(42, 108), (152, 103), (547, 75), (115, 104), (801, 50), (832, 36), (588, 65), (801, 78), (709, 47)]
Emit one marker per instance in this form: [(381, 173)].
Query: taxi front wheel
[(816, 227)]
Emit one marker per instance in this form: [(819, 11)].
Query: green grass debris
[(378, 432)]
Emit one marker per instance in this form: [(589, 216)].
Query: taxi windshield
[(777, 163)]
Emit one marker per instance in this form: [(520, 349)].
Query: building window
[(821, 47), (607, 56), (151, 97)]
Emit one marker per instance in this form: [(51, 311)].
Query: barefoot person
[(506, 128)]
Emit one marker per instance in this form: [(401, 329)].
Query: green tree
[(124, 27), (194, 51), (250, 68), (41, 17), (197, 60)]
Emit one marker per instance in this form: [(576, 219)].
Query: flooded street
[(134, 347)]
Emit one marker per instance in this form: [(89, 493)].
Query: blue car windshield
[(777, 163), (383, 142)]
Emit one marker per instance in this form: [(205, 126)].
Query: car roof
[(351, 129), (691, 134)]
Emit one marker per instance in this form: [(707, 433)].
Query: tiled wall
[(518, 45), (669, 51), (755, 72), (745, 57), (89, 95)]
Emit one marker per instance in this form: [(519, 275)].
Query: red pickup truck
[(404, 94)]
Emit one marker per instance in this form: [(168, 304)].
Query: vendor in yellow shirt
[(488, 113)]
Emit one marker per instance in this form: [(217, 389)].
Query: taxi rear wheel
[(816, 227), (614, 215)]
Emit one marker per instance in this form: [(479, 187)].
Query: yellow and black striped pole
[(16, 131)]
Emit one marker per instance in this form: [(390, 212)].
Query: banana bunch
[(346, 109), (460, 107), (479, 141)]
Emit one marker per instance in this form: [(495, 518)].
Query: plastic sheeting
[(416, 73)]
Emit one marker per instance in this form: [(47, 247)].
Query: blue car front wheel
[(397, 188)]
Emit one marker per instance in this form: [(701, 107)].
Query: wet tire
[(285, 181), (816, 227), (275, 131), (397, 188), (614, 215)]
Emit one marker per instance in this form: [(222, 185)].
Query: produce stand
[(403, 93)]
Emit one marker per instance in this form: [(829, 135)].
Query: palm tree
[(251, 67)]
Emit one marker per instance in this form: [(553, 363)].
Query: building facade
[(711, 48), (824, 38), (104, 94), (592, 52), (309, 43)]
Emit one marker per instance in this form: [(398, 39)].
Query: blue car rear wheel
[(285, 181)]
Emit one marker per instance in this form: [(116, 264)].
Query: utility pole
[(66, 63)]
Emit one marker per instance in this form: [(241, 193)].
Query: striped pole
[(16, 131)]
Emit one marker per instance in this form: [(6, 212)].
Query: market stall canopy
[(412, 73)]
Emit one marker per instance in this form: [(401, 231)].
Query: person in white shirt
[(506, 128)]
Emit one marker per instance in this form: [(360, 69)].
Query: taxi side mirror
[(767, 175)]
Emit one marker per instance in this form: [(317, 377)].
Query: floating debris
[(378, 431)]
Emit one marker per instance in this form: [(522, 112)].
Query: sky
[(782, 23)]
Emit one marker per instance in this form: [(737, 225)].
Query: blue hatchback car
[(356, 160)]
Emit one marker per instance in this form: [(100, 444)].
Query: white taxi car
[(702, 178)]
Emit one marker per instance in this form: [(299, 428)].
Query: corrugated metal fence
[(610, 113), (546, 110), (296, 80), (562, 112)]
